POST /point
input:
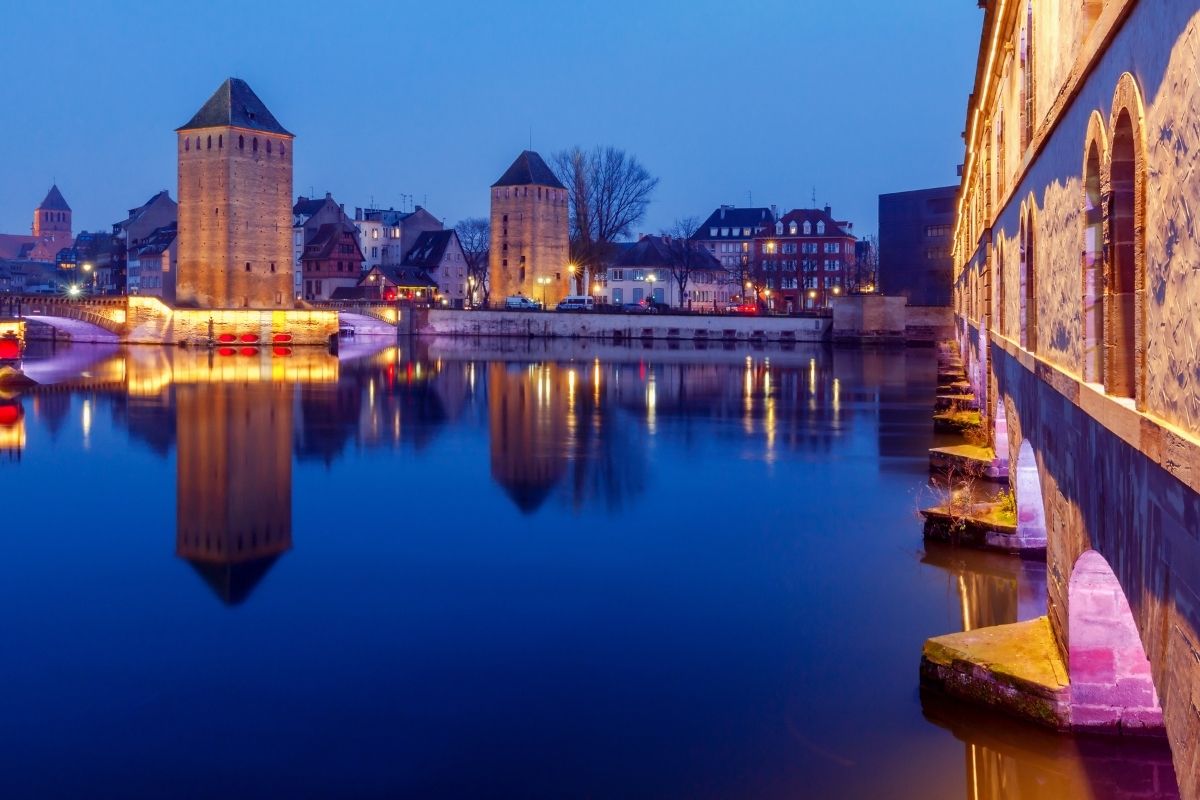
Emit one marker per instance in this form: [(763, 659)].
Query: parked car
[(519, 302), (748, 309), (576, 303), (641, 307)]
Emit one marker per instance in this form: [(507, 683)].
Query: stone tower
[(52, 218), (235, 205), (530, 245)]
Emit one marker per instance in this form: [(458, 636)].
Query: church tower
[(52, 218), (235, 205), (530, 246)]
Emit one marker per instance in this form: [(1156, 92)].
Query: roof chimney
[(828, 210), (774, 212), (722, 212)]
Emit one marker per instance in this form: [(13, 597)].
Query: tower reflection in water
[(1011, 760), (233, 422)]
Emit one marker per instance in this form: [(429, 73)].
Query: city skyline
[(436, 128)]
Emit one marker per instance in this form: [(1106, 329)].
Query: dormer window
[(712, 232), (779, 229), (724, 231), (793, 228), (807, 227), (821, 227)]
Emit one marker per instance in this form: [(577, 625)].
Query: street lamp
[(544, 280), (651, 278), (73, 290), (87, 267)]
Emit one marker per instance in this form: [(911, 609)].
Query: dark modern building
[(915, 233)]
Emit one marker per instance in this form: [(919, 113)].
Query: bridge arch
[(1110, 677), (1000, 433), (1031, 510)]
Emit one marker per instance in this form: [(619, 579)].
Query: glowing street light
[(543, 280), (73, 290)]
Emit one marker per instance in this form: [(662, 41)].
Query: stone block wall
[(235, 219), (530, 223)]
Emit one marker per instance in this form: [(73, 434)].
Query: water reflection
[(1009, 760), (381, 514)]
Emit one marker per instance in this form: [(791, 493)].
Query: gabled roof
[(529, 170), (307, 206), (54, 201), (233, 582), (428, 250), (329, 236), (404, 277), (235, 104), (730, 217), (655, 252), (812, 215)]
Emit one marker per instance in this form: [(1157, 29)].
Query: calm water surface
[(498, 569)]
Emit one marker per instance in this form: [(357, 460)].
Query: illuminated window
[(793, 228)]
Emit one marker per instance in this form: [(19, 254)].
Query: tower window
[(208, 145), (220, 141), (272, 266), (268, 147), (247, 266), (187, 145), (241, 142), (254, 144)]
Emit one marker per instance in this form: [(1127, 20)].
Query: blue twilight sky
[(434, 100)]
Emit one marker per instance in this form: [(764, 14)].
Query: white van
[(576, 303), (519, 302)]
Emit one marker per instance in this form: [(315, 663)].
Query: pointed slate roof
[(529, 170), (54, 201), (233, 582), (235, 103)]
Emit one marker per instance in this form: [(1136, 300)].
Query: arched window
[(793, 227), (241, 142), (187, 145), (220, 141), (1123, 287), (778, 228), (268, 147), (807, 227), (254, 144), (821, 227), (1092, 284), (1028, 282), (1027, 77), (208, 145), (282, 149)]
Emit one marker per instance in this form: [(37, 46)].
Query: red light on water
[(282, 351), (249, 351), (10, 414)]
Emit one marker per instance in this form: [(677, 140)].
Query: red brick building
[(801, 261), (332, 259)]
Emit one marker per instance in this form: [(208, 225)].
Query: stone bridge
[(96, 319), (1116, 492), (147, 320)]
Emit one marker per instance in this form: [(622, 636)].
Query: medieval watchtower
[(235, 204), (530, 245)]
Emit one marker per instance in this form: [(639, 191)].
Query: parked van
[(519, 302), (576, 303)]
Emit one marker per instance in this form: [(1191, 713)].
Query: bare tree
[(608, 192), (686, 257), (863, 276), (475, 236)]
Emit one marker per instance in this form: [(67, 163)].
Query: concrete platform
[(978, 529), (1012, 668), (968, 460)]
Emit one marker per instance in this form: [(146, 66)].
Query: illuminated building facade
[(530, 246), (235, 205), (1075, 290), (801, 260)]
